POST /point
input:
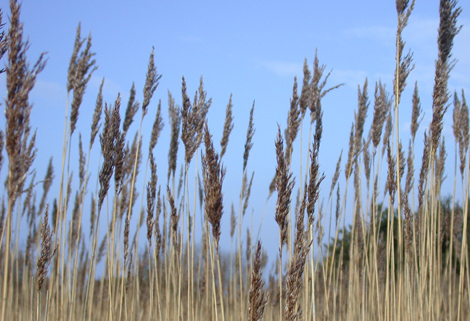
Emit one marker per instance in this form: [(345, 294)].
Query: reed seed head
[(249, 137), (360, 118), (193, 118), (447, 31), (108, 148), (416, 112), (382, 105), (20, 80), (131, 110), (228, 127), (284, 186), (82, 72), (46, 251), (257, 298), (175, 120), (157, 127), (213, 177), (306, 88), (151, 195), (293, 122), (151, 83), (97, 114), (174, 217)]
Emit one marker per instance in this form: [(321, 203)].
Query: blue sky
[(250, 49)]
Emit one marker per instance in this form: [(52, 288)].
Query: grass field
[(405, 256)]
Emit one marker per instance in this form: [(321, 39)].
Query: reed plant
[(404, 257)]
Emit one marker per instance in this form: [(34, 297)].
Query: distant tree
[(341, 252)]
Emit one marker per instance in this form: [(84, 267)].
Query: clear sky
[(250, 49)]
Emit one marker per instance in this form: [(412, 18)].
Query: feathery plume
[(92, 215), (247, 194), (410, 174), (306, 88), (174, 217), (338, 207), (336, 175), (108, 144), (228, 126), (317, 86), (464, 133), (382, 105), (293, 122), (447, 31), (360, 118), (73, 60), (416, 112), (404, 66), (156, 223), (249, 137), (366, 160), (120, 152), (408, 227), (284, 186), (46, 251), (175, 120), (293, 311), (81, 161), (213, 177), (82, 71), (3, 40), (97, 114), (193, 118), (46, 184), (349, 162), (157, 127), (388, 132), (131, 110), (313, 189), (151, 83), (151, 195), (422, 179), (20, 80), (391, 184), (257, 299), (440, 165), (233, 221)]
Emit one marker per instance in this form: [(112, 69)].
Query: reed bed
[(405, 256)]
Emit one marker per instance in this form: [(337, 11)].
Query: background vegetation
[(405, 256)]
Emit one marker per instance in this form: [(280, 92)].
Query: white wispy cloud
[(110, 88), (283, 68), (421, 39), (52, 94), (382, 34), (350, 78)]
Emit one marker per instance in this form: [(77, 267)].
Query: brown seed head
[(20, 80), (83, 70), (284, 186), (175, 120), (151, 195), (151, 83), (97, 114), (131, 110), (257, 298), (157, 127), (213, 176), (416, 112), (228, 126), (249, 137)]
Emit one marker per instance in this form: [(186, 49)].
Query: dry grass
[(397, 261)]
